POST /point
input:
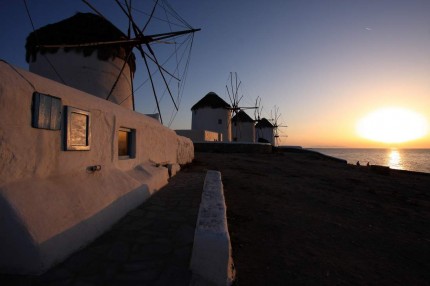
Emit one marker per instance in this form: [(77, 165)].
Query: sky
[(325, 64)]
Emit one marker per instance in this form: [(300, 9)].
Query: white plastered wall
[(50, 204), (88, 74), (266, 133), (243, 131), (207, 118), (199, 135)]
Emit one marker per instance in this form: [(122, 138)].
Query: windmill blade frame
[(110, 43), (140, 41)]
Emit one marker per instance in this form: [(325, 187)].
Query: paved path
[(151, 245)]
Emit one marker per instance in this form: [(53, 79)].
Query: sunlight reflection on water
[(395, 160), (403, 159)]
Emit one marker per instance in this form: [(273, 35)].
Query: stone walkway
[(151, 245)]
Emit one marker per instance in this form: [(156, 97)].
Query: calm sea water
[(403, 159)]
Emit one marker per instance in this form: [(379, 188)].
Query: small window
[(126, 143), (46, 111), (78, 133), (219, 121)]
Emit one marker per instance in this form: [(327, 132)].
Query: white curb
[(211, 260)]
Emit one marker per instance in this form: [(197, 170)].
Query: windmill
[(277, 125), (162, 79), (235, 98)]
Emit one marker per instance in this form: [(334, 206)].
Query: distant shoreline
[(408, 159)]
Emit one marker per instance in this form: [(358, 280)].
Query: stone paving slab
[(151, 245)]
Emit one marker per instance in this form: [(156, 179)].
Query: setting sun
[(392, 125)]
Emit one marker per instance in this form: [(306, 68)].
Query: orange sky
[(333, 124), (325, 64)]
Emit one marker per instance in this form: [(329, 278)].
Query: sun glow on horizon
[(392, 125), (395, 159)]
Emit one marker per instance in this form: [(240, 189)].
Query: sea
[(417, 160)]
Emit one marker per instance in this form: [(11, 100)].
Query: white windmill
[(103, 62), (243, 128)]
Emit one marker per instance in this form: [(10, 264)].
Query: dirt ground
[(301, 219)]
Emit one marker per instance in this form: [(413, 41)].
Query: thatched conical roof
[(211, 100), (78, 29), (241, 116), (264, 123)]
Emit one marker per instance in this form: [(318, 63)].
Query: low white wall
[(200, 135), (50, 203), (211, 260)]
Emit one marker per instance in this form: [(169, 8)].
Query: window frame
[(131, 143), (70, 131)]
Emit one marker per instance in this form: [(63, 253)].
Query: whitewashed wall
[(266, 133), (88, 74), (199, 135), (243, 131), (50, 204), (206, 118)]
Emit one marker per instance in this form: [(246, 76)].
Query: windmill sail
[(164, 51), (276, 126), (240, 118)]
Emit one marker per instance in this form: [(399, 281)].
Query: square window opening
[(78, 132), (46, 111), (126, 143)]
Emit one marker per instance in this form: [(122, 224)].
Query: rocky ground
[(294, 219), (301, 219)]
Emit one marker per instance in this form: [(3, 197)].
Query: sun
[(392, 125)]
